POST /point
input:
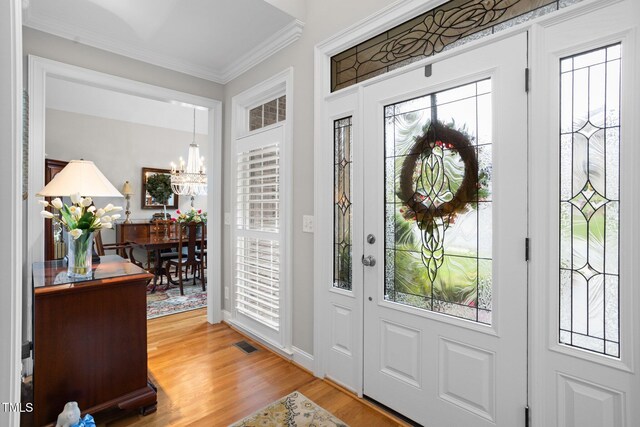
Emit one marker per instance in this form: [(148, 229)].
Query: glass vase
[(79, 254)]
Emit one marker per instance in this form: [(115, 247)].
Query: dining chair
[(161, 228), (190, 236), (201, 253), (124, 249)]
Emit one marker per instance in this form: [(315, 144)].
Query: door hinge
[(527, 422), (526, 79), (526, 249)]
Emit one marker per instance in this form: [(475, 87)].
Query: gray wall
[(120, 150), (58, 49), (324, 19)]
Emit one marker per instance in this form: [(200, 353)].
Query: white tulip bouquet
[(81, 216), (81, 219)]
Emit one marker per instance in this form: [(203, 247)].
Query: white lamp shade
[(80, 176)]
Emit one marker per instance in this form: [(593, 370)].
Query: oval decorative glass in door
[(438, 202)]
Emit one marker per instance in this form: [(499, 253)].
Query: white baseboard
[(276, 348), (297, 356), (302, 358)]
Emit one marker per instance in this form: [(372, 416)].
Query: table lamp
[(79, 176), (83, 177), (127, 190)]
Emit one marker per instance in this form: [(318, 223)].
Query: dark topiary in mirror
[(159, 187)]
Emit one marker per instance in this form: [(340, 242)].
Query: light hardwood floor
[(203, 380)]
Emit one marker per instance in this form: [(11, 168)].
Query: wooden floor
[(203, 380)]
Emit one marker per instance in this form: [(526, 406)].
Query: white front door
[(445, 195)]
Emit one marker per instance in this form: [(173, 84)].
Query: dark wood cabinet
[(141, 230), (132, 231), (90, 339)]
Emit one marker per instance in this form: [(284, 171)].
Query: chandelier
[(190, 179)]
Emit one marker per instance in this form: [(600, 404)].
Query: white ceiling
[(212, 39), (83, 99)]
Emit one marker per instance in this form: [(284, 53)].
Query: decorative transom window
[(446, 26)]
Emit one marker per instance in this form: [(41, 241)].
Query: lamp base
[(127, 211)]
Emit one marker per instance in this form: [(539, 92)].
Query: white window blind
[(258, 189), (258, 280), (257, 235)]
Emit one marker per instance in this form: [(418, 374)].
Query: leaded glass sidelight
[(589, 200), (438, 217), (342, 223)]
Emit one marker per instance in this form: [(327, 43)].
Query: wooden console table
[(90, 339)]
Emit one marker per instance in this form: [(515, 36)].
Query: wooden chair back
[(159, 226), (98, 246), (191, 234)]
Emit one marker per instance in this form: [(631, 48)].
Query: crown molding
[(270, 46), (275, 43), (388, 17)]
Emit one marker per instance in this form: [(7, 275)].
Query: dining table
[(156, 244)]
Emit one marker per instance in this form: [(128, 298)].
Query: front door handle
[(368, 261)]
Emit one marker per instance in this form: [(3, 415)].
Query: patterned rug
[(294, 410), (164, 302)]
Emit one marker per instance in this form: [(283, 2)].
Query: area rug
[(294, 410), (164, 302)]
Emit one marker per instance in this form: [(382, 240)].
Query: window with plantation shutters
[(258, 189), (257, 290), (260, 292)]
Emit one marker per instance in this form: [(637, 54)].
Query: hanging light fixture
[(190, 179)]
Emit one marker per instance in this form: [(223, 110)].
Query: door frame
[(275, 86), (388, 17), (39, 70), (12, 260)]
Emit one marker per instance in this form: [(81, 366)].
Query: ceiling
[(79, 98), (212, 39)]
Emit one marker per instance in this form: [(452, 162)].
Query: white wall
[(324, 19), (120, 149)]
